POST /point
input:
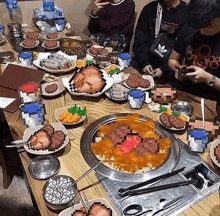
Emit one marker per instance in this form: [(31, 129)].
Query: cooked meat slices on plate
[(58, 139), (51, 88), (52, 35), (32, 35), (50, 43), (176, 122), (29, 42), (40, 140), (165, 119), (49, 129)]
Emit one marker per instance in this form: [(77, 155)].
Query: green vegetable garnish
[(111, 72), (117, 70), (163, 109), (73, 109), (81, 112), (176, 113)]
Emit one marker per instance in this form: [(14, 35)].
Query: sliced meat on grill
[(147, 146), (52, 36), (51, 88), (50, 43), (49, 129), (165, 119), (176, 122), (32, 35), (40, 140), (58, 139), (118, 134), (144, 83), (29, 42)]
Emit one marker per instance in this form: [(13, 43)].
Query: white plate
[(59, 90), (44, 56), (98, 46), (59, 111), (105, 69), (45, 37), (25, 37), (150, 78), (36, 44), (174, 129), (31, 130), (69, 211), (109, 82), (213, 157), (52, 48)]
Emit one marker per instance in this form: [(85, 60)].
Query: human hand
[(157, 73), (101, 3), (148, 70), (199, 75)]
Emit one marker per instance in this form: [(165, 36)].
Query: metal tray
[(91, 159)]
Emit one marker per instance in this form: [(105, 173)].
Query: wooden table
[(72, 162)]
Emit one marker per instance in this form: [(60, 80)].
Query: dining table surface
[(71, 159)]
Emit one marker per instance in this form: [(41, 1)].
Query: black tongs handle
[(167, 175), (157, 188)]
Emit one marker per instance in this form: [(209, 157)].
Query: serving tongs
[(17, 144), (129, 191)]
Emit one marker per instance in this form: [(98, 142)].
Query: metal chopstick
[(167, 175)]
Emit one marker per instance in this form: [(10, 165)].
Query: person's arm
[(143, 38), (94, 25)]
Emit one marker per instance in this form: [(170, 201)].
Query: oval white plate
[(174, 129), (59, 111), (212, 155), (45, 37), (51, 48), (45, 55), (69, 211), (59, 90), (98, 46), (37, 43), (33, 38), (31, 130), (150, 78)]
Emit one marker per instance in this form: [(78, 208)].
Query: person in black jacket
[(173, 16), (199, 43), (113, 19)]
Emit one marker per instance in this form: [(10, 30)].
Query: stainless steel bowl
[(183, 107), (44, 167), (66, 204), (102, 61), (6, 57)]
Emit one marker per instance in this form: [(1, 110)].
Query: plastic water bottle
[(14, 10), (49, 14)]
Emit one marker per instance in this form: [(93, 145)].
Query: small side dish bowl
[(59, 192), (58, 113), (183, 107), (215, 160)]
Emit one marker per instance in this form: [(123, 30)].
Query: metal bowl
[(183, 107), (68, 187), (44, 167), (88, 137), (6, 57)]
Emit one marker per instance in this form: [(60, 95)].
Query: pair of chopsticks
[(123, 192)]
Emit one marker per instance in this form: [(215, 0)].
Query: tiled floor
[(16, 200)]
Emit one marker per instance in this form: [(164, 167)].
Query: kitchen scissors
[(137, 209)]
